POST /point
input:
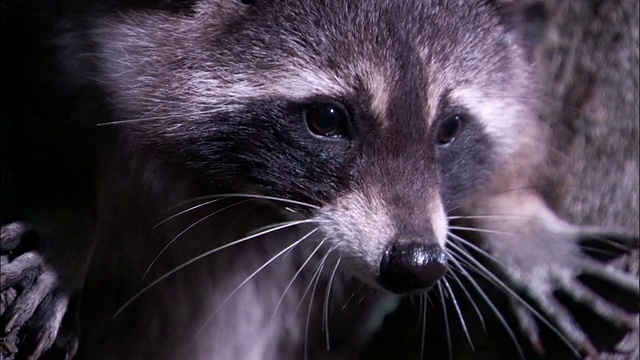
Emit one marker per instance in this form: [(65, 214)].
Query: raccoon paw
[(33, 299), (562, 271)]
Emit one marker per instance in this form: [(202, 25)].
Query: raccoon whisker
[(184, 231), (196, 199), (316, 273), (496, 216), (315, 250), (465, 266), (164, 101), (459, 312), (243, 214), (311, 298), (187, 210), (362, 298), (511, 190), (163, 117), (480, 270), (487, 274), (304, 194), (466, 243), (346, 303), (327, 299), (488, 301), (252, 275), (423, 315), (160, 102), (255, 196), (479, 230), (416, 305), (220, 197), (446, 319), (275, 227), (469, 297)]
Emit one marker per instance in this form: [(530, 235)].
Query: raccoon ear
[(528, 19)]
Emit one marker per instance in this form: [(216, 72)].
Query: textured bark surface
[(590, 59)]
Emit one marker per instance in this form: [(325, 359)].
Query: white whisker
[(446, 320), (493, 308), (495, 216), (163, 117), (294, 278), (327, 299), (313, 292), (208, 253), (184, 231), (423, 311), (255, 196), (187, 210), (346, 303), (253, 274), (483, 271), (478, 230), (471, 245), (470, 298), (316, 273), (459, 312)]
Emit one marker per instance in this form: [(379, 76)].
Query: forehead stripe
[(295, 84)]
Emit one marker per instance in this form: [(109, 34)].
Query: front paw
[(544, 258), (34, 298), (542, 276)]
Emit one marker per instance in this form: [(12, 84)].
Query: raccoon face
[(384, 115)]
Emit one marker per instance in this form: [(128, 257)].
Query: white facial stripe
[(297, 84), (360, 223), (501, 114), (376, 85), (439, 223)]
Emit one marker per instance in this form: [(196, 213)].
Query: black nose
[(412, 267)]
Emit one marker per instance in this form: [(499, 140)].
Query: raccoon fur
[(220, 179)]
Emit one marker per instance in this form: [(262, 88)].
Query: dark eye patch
[(465, 153)]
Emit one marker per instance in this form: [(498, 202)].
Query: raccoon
[(259, 165)]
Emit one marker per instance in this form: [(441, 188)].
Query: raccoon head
[(383, 115)]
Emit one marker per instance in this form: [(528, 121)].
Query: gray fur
[(207, 102), (154, 71)]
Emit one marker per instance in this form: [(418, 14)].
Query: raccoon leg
[(39, 283), (539, 254)]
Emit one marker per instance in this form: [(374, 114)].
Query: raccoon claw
[(528, 325), (34, 297), (555, 312), (47, 335)]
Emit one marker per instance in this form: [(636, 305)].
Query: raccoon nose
[(412, 267)]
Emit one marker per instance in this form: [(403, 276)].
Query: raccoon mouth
[(412, 267)]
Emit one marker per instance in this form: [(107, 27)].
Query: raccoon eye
[(327, 120), (449, 129)]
